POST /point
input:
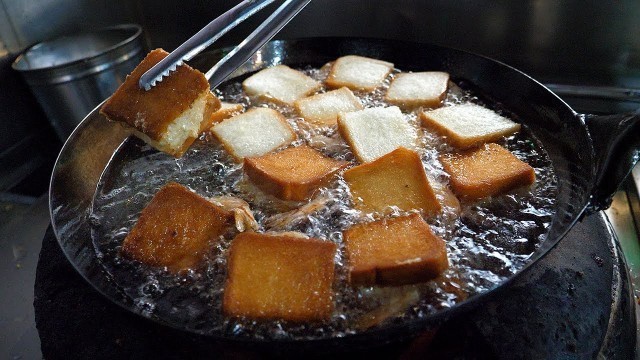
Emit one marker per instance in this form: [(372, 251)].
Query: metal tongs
[(218, 27)]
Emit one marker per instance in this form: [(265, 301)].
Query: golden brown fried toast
[(396, 179), (292, 174), (411, 90), (169, 116), (279, 276), (468, 125), (395, 251), (176, 229), (487, 171)]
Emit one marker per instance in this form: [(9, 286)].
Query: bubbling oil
[(487, 242)]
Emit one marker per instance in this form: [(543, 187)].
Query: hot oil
[(487, 241)]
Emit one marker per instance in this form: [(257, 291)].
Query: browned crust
[(488, 171), (279, 277), (292, 174), (417, 254), (381, 184), (151, 112), (176, 229)]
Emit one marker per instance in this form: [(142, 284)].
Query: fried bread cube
[(395, 251), (358, 73), (280, 84), (279, 276), (291, 174), (396, 179), (468, 125), (410, 90), (323, 109), (176, 229), (374, 132), (226, 111), (172, 114), (487, 171), (254, 133)]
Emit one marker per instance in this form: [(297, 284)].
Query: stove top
[(575, 303)]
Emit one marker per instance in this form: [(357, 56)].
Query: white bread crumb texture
[(370, 132), (323, 109), (280, 83), (471, 120), (187, 124), (254, 133), (374, 132), (358, 72), (418, 86)]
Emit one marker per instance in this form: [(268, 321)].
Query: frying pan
[(591, 156)]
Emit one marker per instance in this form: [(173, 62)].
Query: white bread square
[(410, 90), (280, 84), (358, 73), (181, 132), (323, 109), (468, 125), (254, 133), (374, 132)]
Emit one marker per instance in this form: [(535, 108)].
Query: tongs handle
[(218, 27), (252, 43)]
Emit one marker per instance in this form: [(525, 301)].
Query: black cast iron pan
[(591, 156)]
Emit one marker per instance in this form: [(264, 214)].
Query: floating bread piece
[(281, 84), (323, 109), (488, 171), (409, 90), (226, 111), (280, 277), (396, 179), (358, 73), (374, 132), (176, 229), (396, 251), (254, 133), (172, 114), (468, 125), (292, 174)]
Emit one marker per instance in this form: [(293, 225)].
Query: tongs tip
[(148, 80)]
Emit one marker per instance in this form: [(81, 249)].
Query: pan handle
[(616, 143)]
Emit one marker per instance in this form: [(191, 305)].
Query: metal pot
[(70, 75)]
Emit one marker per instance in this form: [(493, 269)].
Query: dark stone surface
[(561, 308)]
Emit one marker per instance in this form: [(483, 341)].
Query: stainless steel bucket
[(71, 75)]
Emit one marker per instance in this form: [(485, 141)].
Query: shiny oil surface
[(487, 243)]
